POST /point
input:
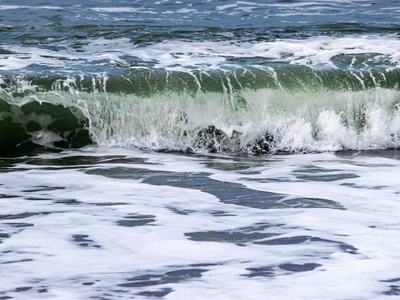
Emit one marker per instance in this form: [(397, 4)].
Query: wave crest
[(72, 113)]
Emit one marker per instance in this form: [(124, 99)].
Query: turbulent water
[(239, 77), (199, 149)]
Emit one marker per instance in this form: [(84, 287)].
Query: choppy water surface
[(199, 149)]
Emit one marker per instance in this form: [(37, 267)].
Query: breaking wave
[(247, 110)]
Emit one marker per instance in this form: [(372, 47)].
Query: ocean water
[(199, 149)]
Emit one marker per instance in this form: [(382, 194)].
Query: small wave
[(215, 118)]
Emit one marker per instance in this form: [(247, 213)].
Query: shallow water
[(109, 223)]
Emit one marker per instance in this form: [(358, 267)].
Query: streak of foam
[(179, 55)]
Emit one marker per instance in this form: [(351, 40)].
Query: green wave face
[(252, 110)]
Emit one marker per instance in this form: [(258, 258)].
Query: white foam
[(295, 125), (223, 7), (312, 51), (123, 10), (205, 55), (369, 223), (12, 7)]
